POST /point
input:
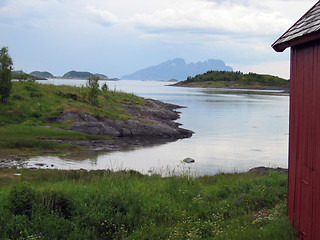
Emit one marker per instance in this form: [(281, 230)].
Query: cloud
[(102, 17), (55, 13), (212, 17), (21, 12), (138, 32)]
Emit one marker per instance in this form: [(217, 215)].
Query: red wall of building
[(304, 140)]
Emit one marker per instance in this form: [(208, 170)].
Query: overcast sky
[(117, 37)]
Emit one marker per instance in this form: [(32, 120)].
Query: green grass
[(32, 106), (31, 140), (52, 204), (33, 103)]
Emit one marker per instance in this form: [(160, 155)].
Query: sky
[(118, 37)]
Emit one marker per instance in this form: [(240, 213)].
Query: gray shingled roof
[(308, 25)]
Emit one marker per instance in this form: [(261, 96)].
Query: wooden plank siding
[(304, 126), (304, 140), (316, 206), (316, 162)]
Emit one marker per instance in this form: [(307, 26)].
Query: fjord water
[(235, 130)]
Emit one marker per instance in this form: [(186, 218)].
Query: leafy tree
[(93, 85), (5, 74), (105, 87)]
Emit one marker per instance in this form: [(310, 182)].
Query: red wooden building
[(304, 127)]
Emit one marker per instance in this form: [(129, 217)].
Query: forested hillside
[(238, 79)]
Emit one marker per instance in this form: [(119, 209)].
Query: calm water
[(235, 130)]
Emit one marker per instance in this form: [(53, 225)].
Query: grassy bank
[(51, 204), (26, 119)]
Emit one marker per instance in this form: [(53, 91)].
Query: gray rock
[(69, 116), (94, 128), (265, 170), (189, 160), (129, 128), (88, 118)]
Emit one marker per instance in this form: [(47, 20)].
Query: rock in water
[(189, 160)]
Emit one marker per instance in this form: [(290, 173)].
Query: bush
[(93, 85), (21, 200), (56, 202), (105, 87)]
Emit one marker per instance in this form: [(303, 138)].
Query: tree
[(105, 87), (5, 74), (93, 85)]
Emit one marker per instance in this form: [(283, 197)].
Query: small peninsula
[(236, 80), (42, 119)]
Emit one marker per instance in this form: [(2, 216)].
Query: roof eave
[(280, 47)]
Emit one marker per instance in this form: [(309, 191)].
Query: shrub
[(105, 87), (21, 200), (56, 202), (93, 85)]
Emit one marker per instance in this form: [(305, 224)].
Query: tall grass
[(52, 204)]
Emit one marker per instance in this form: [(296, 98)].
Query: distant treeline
[(227, 78)]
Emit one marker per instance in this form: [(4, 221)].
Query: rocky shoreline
[(151, 124)]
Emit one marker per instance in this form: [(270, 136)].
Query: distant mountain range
[(177, 69)]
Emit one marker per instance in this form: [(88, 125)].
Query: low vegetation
[(222, 79), (52, 204), (26, 120)]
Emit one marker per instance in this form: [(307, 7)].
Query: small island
[(40, 74), (85, 75), (236, 80)]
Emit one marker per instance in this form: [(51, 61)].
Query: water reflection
[(234, 130)]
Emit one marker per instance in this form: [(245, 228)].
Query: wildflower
[(253, 222)]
